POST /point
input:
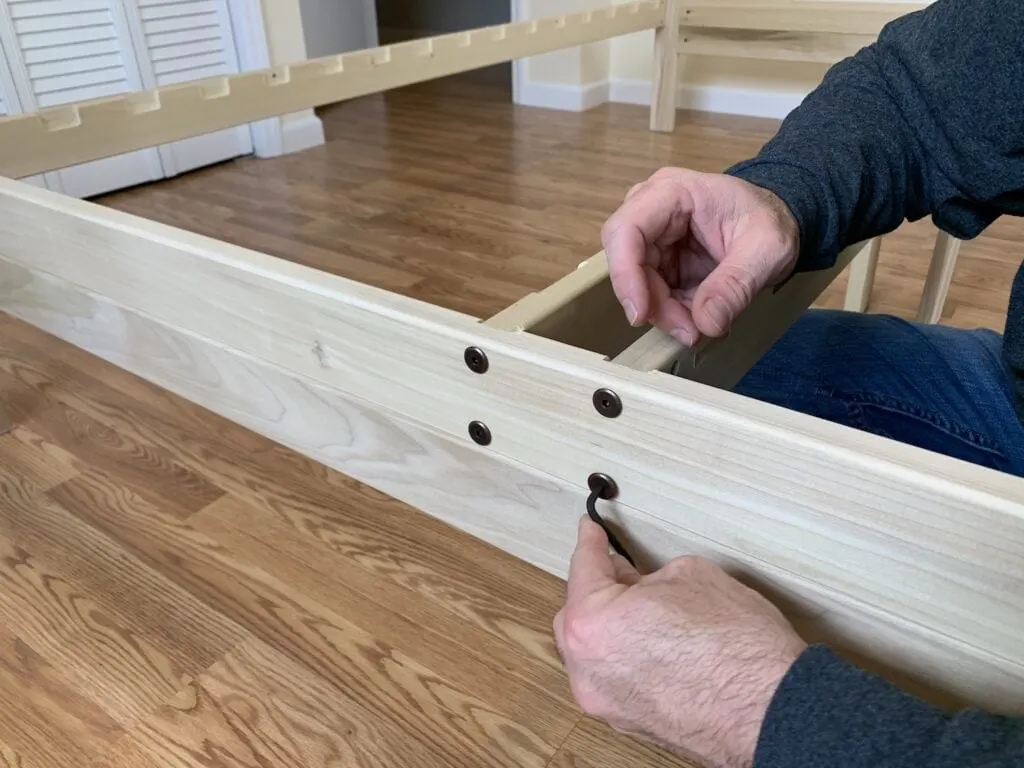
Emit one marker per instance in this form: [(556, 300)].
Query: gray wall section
[(338, 26)]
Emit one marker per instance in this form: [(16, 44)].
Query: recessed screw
[(476, 360), (607, 403), (480, 433)]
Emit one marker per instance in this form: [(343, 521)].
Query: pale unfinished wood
[(76, 133), (580, 310), (918, 553), (821, 32), (722, 362), (844, 18), (940, 275), (666, 70), (862, 277), (518, 509), (771, 44)]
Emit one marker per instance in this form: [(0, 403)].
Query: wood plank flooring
[(176, 591)]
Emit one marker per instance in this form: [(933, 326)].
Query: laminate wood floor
[(175, 591)]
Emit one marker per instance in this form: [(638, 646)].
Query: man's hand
[(688, 251), (686, 657)]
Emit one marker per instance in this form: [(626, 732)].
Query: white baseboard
[(304, 133), (752, 102), (573, 98)]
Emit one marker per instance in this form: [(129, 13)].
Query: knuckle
[(685, 566), (678, 567), (667, 173), (579, 634), (634, 189), (587, 695), (609, 227)]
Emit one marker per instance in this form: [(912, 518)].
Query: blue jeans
[(942, 389)]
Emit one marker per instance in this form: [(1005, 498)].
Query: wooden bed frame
[(911, 561), (800, 31)]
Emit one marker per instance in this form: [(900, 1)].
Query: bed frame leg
[(940, 275), (862, 277), (666, 71)]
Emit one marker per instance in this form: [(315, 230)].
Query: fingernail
[(719, 312), (630, 309), (683, 336)]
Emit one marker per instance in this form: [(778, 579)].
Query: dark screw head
[(603, 486), (480, 433), (476, 360), (607, 403)]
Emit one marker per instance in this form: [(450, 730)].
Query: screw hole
[(607, 403), (476, 360), (480, 433)]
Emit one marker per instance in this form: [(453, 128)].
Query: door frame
[(253, 50)]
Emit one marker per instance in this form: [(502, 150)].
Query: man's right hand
[(688, 251)]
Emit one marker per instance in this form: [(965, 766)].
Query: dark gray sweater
[(928, 121)]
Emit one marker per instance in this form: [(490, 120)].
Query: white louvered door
[(63, 51), (182, 40)]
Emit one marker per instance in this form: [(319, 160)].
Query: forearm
[(827, 712), (927, 121)]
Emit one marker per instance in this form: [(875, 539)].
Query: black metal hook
[(603, 487)]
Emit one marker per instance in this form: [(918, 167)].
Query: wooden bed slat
[(771, 45), (843, 18), (723, 362), (580, 310)]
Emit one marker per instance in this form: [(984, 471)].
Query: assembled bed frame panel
[(881, 534), (911, 560), (722, 362), (827, 17), (789, 30), (68, 135), (581, 310)]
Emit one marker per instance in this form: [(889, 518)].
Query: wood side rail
[(68, 135), (907, 559), (910, 559)]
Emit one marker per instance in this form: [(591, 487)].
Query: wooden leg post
[(940, 275), (666, 71), (862, 277)]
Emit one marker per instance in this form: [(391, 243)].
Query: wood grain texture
[(829, 17), (449, 193), (861, 277), (666, 70), (773, 490), (519, 195), (821, 48), (864, 623), (940, 275)]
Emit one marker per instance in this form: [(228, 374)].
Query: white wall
[(338, 26), (572, 78)]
